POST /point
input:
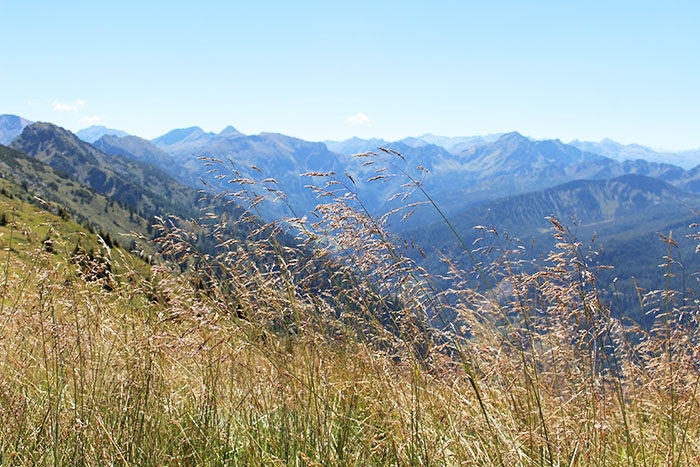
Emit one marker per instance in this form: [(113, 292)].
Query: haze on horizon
[(318, 71)]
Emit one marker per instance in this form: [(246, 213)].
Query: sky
[(628, 70)]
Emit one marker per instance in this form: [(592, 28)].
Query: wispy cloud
[(359, 119), (74, 106), (33, 103), (89, 121)]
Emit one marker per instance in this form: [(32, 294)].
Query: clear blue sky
[(629, 70)]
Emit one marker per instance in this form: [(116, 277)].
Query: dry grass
[(340, 350)]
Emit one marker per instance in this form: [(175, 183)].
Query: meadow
[(337, 349)]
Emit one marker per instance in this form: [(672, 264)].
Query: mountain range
[(619, 206), (136, 184), (116, 193), (508, 181), (462, 171), (609, 148), (452, 144), (507, 165)]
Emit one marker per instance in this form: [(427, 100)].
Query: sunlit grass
[(330, 353)]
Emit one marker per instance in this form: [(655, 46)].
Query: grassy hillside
[(139, 185), (106, 360), (34, 179)]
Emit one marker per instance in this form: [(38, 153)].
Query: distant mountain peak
[(11, 126), (95, 132), (356, 139), (513, 140), (178, 135), (513, 135), (355, 145), (188, 131), (622, 152), (135, 148), (229, 131)]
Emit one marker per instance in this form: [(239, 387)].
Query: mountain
[(185, 141), (509, 164), (356, 145), (142, 150), (284, 158), (515, 164), (512, 164), (468, 142), (609, 148), (177, 136), (450, 143), (142, 187), (444, 172), (513, 153), (95, 132), (596, 203), (686, 159), (11, 126), (624, 214), (137, 184), (689, 180), (275, 156), (414, 142), (229, 131), (453, 144), (34, 178)]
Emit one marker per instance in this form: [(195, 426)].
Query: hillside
[(33, 178), (143, 150), (623, 214), (619, 207), (142, 186), (593, 202)]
